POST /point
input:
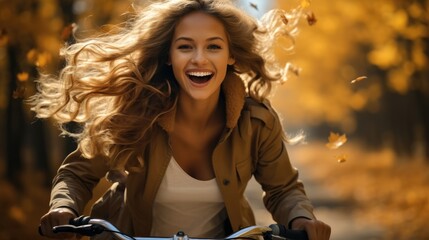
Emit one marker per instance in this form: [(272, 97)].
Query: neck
[(199, 114)]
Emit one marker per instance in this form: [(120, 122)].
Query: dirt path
[(329, 206)]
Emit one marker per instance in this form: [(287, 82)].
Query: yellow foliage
[(399, 79), (305, 3), (418, 56), (385, 56), (17, 214), (22, 77), (399, 20)]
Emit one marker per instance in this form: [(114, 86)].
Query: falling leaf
[(22, 77), (311, 18), (342, 158), (293, 69), (336, 140), (284, 19), (253, 5), (298, 138), (68, 31), (358, 79)]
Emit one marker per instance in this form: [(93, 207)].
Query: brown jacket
[(251, 144)]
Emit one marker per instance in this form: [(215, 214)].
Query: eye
[(184, 46), (214, 46)]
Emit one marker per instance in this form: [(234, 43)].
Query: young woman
[(173, 110)]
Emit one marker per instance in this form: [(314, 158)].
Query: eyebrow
[(190, 39)]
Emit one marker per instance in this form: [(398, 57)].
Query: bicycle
[(87, 226)]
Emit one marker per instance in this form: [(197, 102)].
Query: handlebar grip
[(84, 230), (78, 221), (282, 231)]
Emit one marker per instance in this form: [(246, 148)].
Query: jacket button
[(225, 182)]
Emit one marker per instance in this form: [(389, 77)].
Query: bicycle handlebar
[(87, 226)]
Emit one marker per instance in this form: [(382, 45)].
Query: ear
[(231, 60)]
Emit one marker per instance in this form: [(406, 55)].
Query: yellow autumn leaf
[(358, 79), (336, 140), (341, 158)]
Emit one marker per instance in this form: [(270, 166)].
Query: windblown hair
[(117, 85)]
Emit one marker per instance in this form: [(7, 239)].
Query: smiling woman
[(199, 55), (170, 109)]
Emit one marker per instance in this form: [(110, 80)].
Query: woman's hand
[(316, 230), (55, 217)]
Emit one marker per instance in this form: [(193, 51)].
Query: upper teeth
[(200, 74)]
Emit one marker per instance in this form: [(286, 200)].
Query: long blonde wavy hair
[(117, 85)]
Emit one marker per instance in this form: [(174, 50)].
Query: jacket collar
[(234, 92)]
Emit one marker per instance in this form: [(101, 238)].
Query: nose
[(199, 57)]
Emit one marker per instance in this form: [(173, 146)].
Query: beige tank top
[(186, 204)]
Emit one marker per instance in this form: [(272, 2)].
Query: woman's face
[(199, 55)]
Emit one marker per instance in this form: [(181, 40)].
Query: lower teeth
[(200, 79)]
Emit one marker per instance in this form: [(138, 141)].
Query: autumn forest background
[(360, 96)]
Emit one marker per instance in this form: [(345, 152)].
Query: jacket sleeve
[(284, 196), (75, 180)]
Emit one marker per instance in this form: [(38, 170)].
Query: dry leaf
[(284, 19), (293, 69), (336, 140), (342, 158), (311, 18), (68, 31), (358, 79), (253, 5), (298, 138)]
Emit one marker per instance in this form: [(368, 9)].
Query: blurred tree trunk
[(15, 123), (69, 17)]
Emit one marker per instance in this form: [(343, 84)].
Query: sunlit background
[(361, 99)]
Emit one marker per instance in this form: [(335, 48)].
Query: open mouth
[(200, 77)]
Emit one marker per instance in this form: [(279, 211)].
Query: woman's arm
[(71, 191)]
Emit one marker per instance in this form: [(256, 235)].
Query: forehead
[(200, 24)]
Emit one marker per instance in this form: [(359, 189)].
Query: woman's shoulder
[(261, 111)]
